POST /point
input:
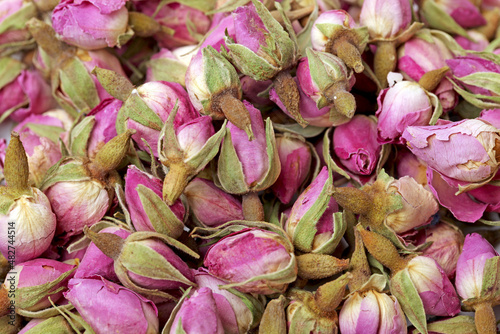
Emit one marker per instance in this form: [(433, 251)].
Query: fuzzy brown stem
[(344, 102), (385, 60), (288, 92), (330, 295), (359, 268), (430, 80), (485, 318), (318, 266), (349, 53), (253, 209), (274, 319), (353, 199), (175, 182), (110, 244), (235, 112), (16, 170)]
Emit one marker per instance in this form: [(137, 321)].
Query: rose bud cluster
[(249, 166)]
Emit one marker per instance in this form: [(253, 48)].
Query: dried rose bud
[(37, 280), (216, 37), (95, 262), (355, 143), (479, 42), (210, 205), (326, 80), (402, 105), (55, 324), (316, 211), (253, 261), (17, 11), (109, 307), (446, 14), (203, 312), (295, 158), (143, 194), (336, 32), (91, 25), (104, 128), (447, 242), (372, 311)]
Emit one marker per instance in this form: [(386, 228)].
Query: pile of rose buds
[(246, 166)]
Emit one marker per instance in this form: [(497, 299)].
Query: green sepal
[(47, 131), (166, 69), (478, 100), (229, 6), (29, 296), (305, 231), (18, 19), (248, 62), (122, 39), (208, 151), (274, 169), (80, 135), (115, 84), (309, 131), (10, 68), (159, 213), (460, 324), (136, 109), (170, 322), (54, 325), (229, 169), (142, 235), (490, 288), (438, 108), (66, 169), (219, 74), (74, 320), (168, 145), (304, 36), (339, 228), (144, 261), (7, 198), (254, 304), (437, 18), (486, 80), (407, 295), (205, 6), (45, 313), (328, 157), (288, 28), (74, 80), (83, 241), (489, 222)]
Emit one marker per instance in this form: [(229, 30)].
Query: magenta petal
[(249, 29)]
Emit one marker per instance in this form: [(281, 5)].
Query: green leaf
[(274, 169), (136, 109), (304, 36), (166, 69), (230, 169), (115, 84), (486, 80), (10, 68), (438, 108), (47, 131), (72, 170), (249, 63), (80, 135)]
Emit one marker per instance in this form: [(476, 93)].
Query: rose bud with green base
[(148, 212), (108, 307), (80, 190), (336, 32), (145, 263), (295, 158), (477, 281), (315, 312), (264, 50), (104, 128), (314, 224), (325, 79), (246, 167), (185, 151), (210, 205), (35, 282), (252, 257), (215, 89), (27, 223), (418, 282), (388, 23)]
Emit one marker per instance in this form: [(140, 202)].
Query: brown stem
[(235, 111), (253, 209), (274, 318), (349, 53), (110, 244), (385, 60), (359, 268), (175, 181), (330, 295), (45, 37), (293, 15), (344, 102), (430, 80), (318, 266), (16, 170), (485, 318), (288, 92), (353, 199)]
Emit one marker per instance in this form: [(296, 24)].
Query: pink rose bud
[(385, 18), (462, 67), (91, 25), (28, 225), (466, 14), (355, 143), (461, 152), (139, 206), (28, 94), (210, 205), (205, 312), (247, 309), (447, 241), (95, 262), (372, 312), (15, 11), (479, 42), (471, 263), (110, 308), (314, 210), (433, 286), (216, 37), (104, 127), (295, 158), (409, 165), (419, 205), (193, 135), (189, 24), (253, 261), (37, 280), (160, 97), (257, 170), (48, 325), (40, 137), (101, 59), (335, 20), (404, 104)]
